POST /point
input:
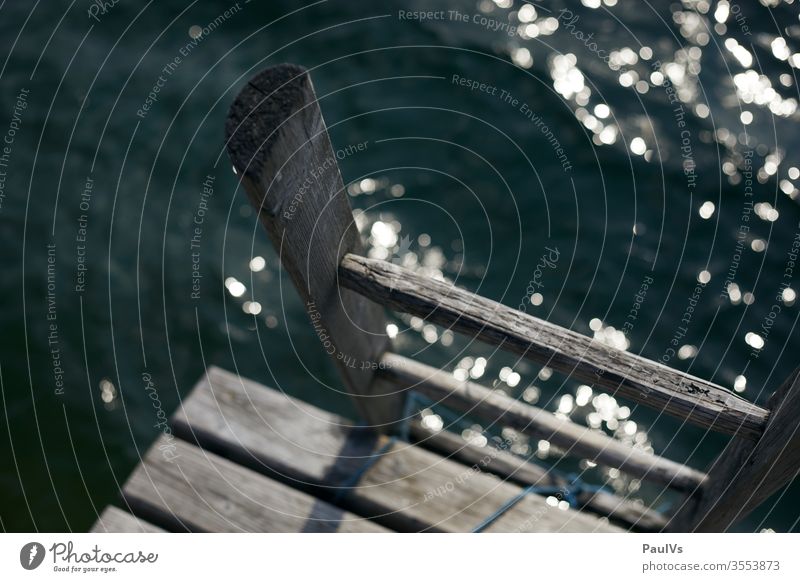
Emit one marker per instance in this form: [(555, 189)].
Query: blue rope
[(665, 507), (503, 509), (569, 493)]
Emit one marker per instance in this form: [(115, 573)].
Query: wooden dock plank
[(116, 520), (198, 491), (522, 472), (239, 418), (407, 488), (436, 494), (495, 407)]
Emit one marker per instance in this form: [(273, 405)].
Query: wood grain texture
[(438, 495), (681, 395), (280, 149), (745, 474), (197, 491), (495, 407), (115, 520), (406, 489), (509, 466)]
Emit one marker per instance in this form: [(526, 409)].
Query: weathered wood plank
[(681, 395), (405, 488), (279, 146), (439, 495), (745, 474), (115, 520), (241, 419), (494, 406), (198, 491), (509, 466)]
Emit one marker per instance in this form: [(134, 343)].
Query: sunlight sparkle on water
[(251, 307), (526, 13), (754, 340), (108, 392), (433, 422), (257, 264), (567, 78), (522, 57), (638, 146), (609, 335), (235, 287), (707, 209), (602, 110)]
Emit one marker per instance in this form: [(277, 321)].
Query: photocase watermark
[(569, 22), (633, 314), (53, 344), (100, 8), (522, 107), (6, 149), (161, 82), (68, 559), (31, 555), (476, 18), (197, 34), (478, 467), (679, 114), (168, 447), (636, 306), (196, 239), (548, 260), (725, 9), (330, 347), (683, 327), (556, 501), (81, 236), (775, 309), (314, 176), (744, 226)]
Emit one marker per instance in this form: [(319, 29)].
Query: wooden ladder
[(276, 134)]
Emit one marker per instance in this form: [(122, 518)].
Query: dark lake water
[(578, 159)]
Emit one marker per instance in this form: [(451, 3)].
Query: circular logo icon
[(31, 555)]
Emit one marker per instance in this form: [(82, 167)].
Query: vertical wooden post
[(747, 472), (279, 146)]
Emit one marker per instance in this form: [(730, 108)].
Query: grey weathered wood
[(280, 149), (408, 478), (115, 520), (319, 452), (198, 491), (652, 384), (494, 406), (745, 474), (509, 466)]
